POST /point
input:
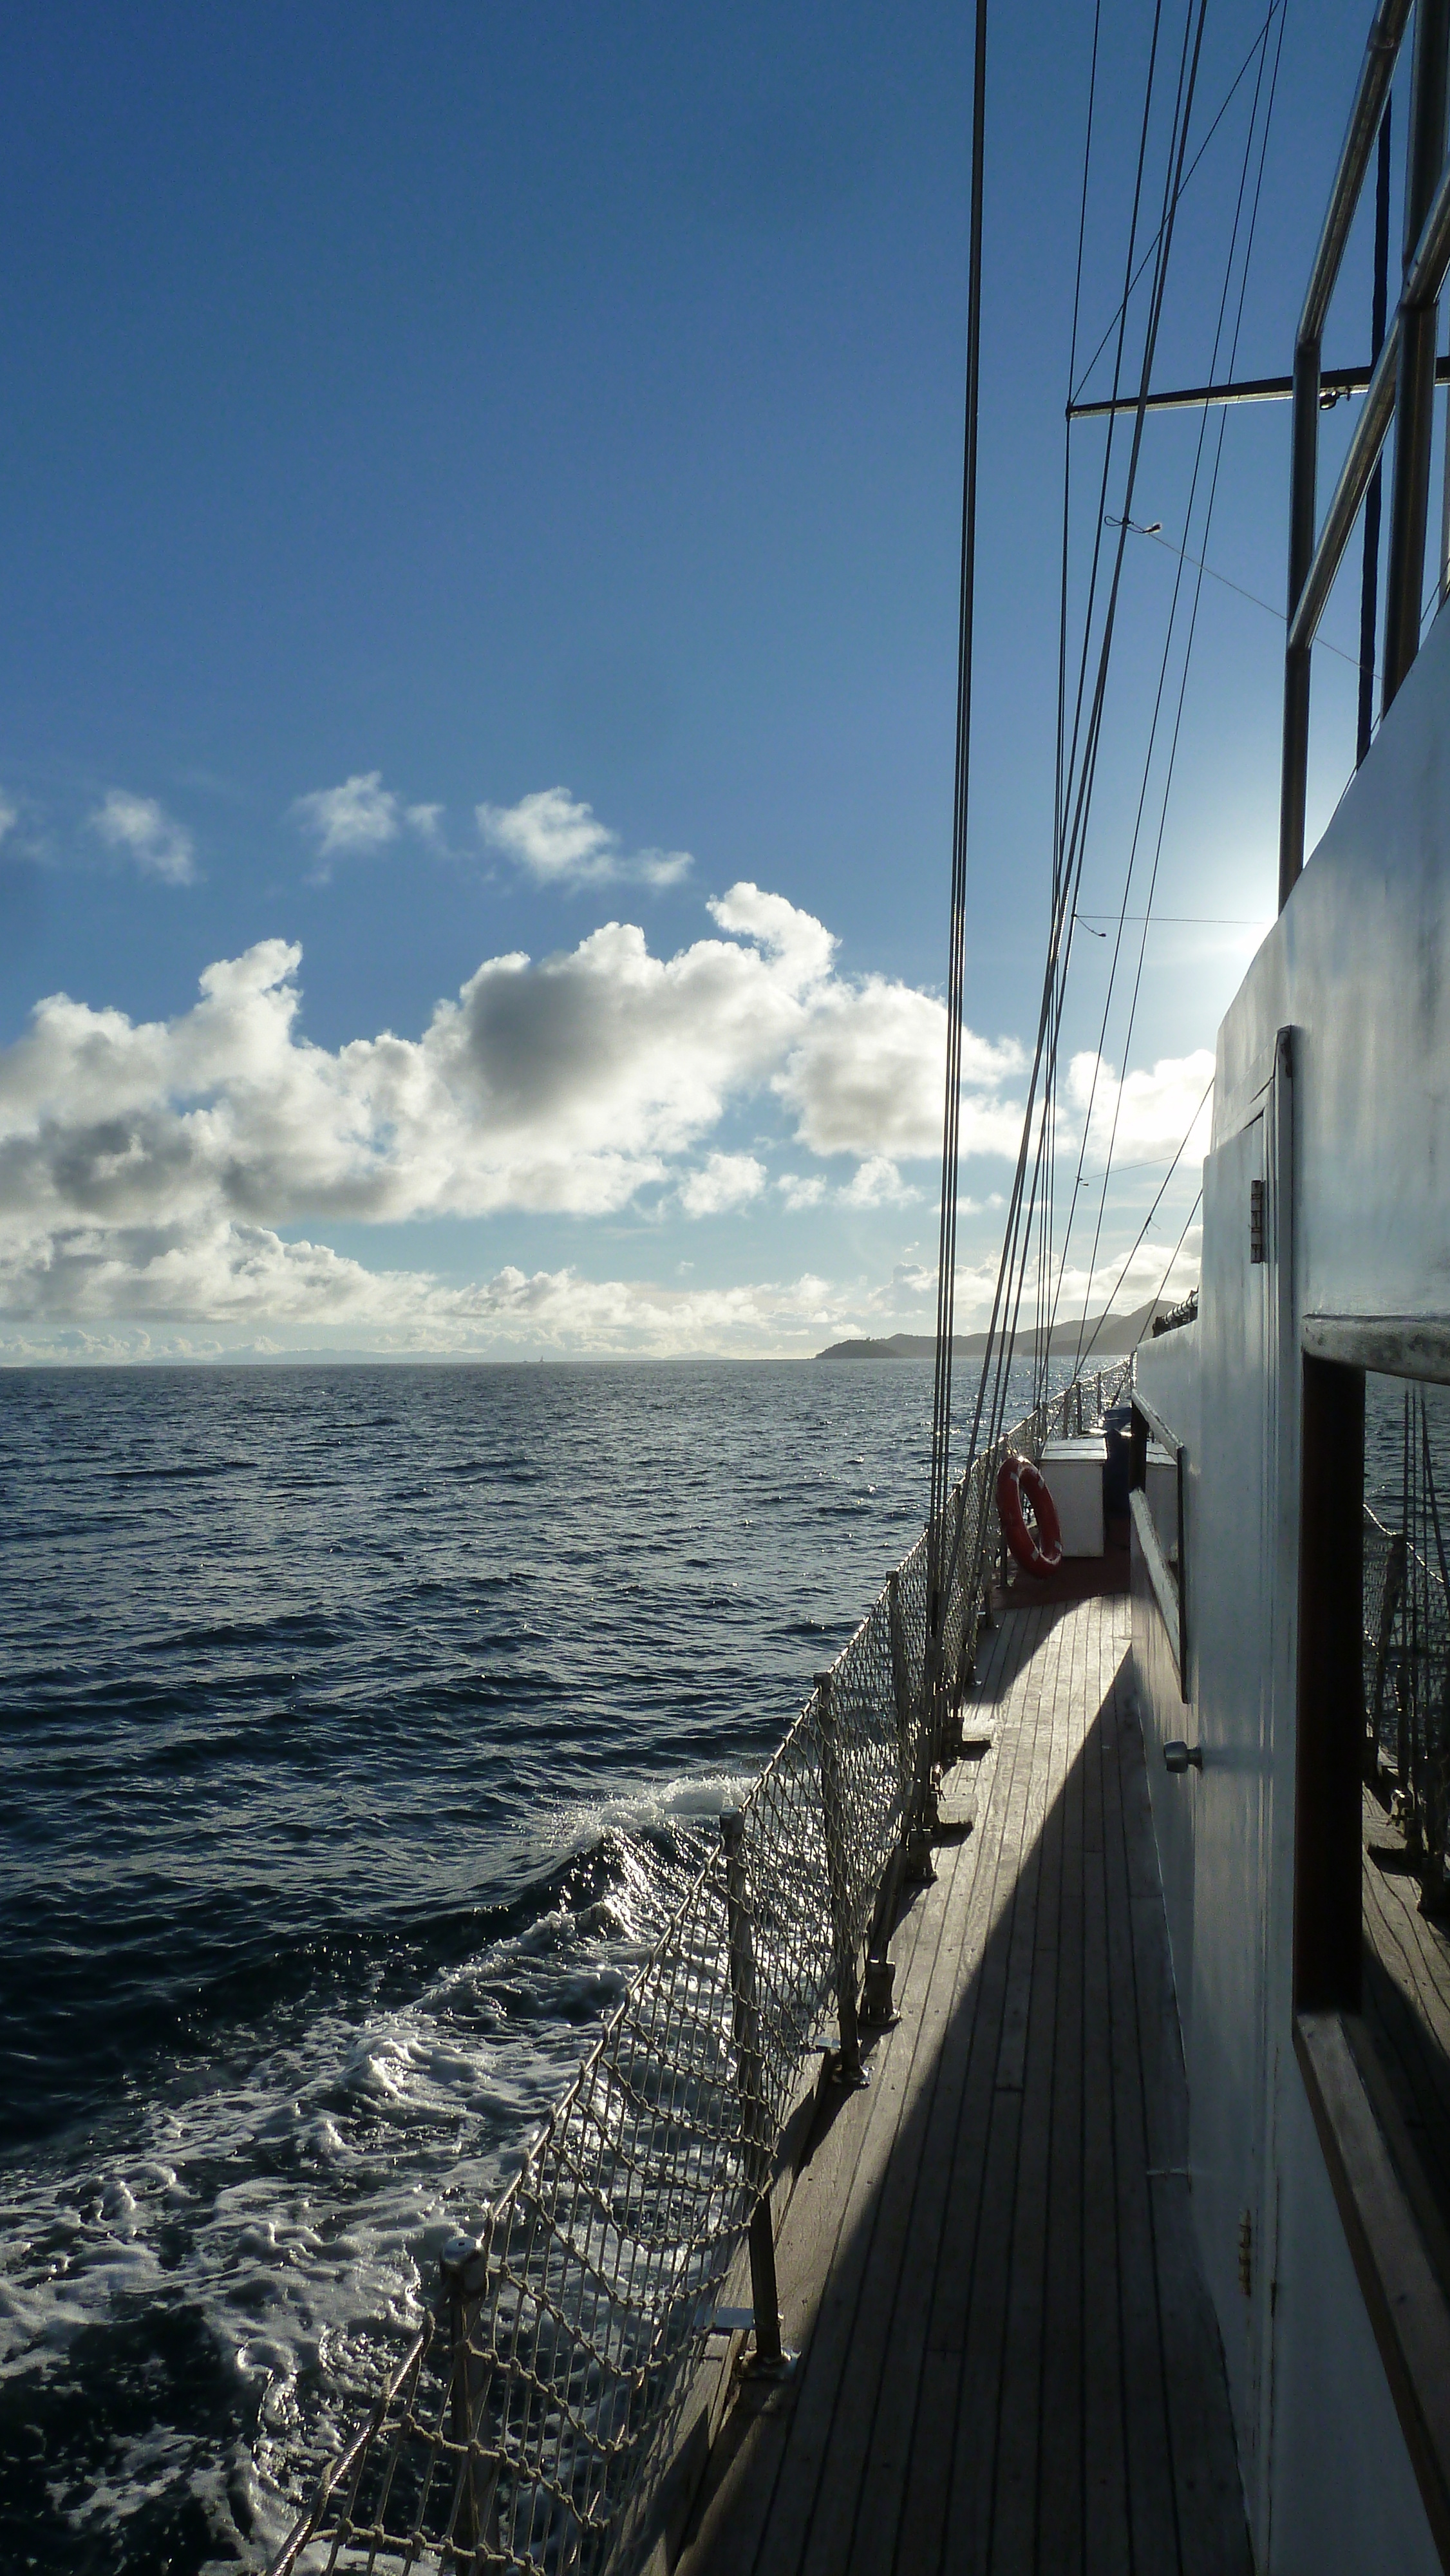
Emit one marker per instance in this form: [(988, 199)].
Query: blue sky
[(473, 476)]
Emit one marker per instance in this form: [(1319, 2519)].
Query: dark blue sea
[(358, 1727)]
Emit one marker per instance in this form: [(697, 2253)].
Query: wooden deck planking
[(1060, 2470), (1009, 2359), (1408, 2001), (1019, 2413), (1155, 2541), (973, 2273), (881, 2419)]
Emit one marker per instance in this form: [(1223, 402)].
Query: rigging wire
[(951, 1113), (1147, 1221), (1322, 643), (1187, 661), (1044, 1258), (1046, 1311), (1045, 1137), (1068, 852), (1012, 1268), (1230, 94)]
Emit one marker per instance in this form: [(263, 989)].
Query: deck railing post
[(977, 1583), (1394, 1579), (949, 1708), (849, 2069), (914, 1732), (900, 1675), (473, 2527), (877, 1993), (749, 2069)]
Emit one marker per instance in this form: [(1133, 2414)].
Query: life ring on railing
[(1019, 1483)]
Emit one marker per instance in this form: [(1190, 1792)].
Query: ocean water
[(358, 1727), (1384, 1416)]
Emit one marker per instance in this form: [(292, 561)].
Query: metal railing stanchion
[(878, 1989), (769, 2353), (849, 2069), (1394, 1580), (947, 1739), (473, 2523)]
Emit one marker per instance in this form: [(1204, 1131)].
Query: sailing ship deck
[(1008, 2358)]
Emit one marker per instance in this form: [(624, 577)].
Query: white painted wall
[(1167, 1370), (1351, 1131)]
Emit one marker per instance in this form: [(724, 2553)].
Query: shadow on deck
[(1008, 2362)]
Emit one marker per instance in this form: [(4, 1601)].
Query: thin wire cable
[(1260, 40), (1259, 49), (1147, 1221), (951, 1113), (1187, 657), (1321, 642), (1163, 672), (1012, 1266), (1062, 862), (1044, 1264)]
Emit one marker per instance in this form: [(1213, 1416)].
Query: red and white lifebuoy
[(1019, 1483)]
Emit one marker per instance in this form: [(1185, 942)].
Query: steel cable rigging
[(1085, 737), (1197, 592), (956, 943), (1047, 1292)]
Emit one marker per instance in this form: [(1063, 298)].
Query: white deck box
[(1074, 1473)]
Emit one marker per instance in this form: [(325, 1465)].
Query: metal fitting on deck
[(463, 2267)]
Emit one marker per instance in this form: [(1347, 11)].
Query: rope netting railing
[(1407, 1694), (526, 2422)]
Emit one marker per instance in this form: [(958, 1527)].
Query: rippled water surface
[(357, 1727)]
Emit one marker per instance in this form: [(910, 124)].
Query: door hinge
[(1257, 1248), (1246, 2253)]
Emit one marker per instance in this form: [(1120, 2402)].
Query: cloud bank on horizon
[(147, 1169)]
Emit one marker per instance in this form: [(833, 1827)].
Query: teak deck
[(1008, 2358), (1407, 2006)]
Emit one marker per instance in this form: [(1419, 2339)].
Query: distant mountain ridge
[(1109, 1336)]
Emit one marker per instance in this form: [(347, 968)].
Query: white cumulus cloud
[(723, 1181), (559, 840), (876, 1183), (360, 816), (571, 1084), (156, 1166), (160, 846), (866, 1077), (1154, 1108)]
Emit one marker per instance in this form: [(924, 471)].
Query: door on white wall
[(1227, 2025)]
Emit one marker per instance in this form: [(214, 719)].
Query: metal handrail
[(1421, 290), (1382, 45), (1403, 380)]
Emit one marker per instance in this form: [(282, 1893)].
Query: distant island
[(1109, 1335)]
